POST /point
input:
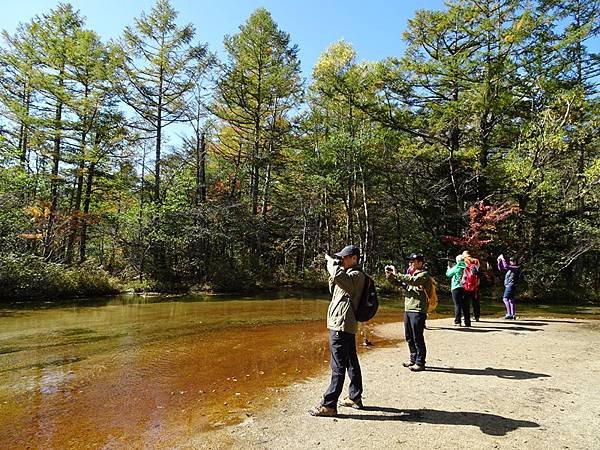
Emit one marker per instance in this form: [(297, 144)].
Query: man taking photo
[(346, 283), (417, 280)]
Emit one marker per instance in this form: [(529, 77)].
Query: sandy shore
[(502, 384)]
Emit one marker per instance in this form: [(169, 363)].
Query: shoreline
[(501, 384)]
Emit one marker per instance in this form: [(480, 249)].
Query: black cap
[(348, 250), (417, 256)]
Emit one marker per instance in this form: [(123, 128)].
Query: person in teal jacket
[(460, 300)]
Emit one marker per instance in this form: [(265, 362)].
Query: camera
[(336, 260)]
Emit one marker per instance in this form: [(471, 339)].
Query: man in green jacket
[(346, 284), (417, 281)]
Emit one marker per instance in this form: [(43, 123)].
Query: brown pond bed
[(143, 379)]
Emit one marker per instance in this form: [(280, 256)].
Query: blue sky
[(375, 30)]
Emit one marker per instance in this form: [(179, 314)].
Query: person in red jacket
[(470, 283)]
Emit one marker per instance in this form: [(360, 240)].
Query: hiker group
[(354, 300)]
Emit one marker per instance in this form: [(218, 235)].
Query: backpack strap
[(364, 291)]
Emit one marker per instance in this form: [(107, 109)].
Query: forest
[(149, 163)]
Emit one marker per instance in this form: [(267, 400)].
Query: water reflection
[(149, 372)]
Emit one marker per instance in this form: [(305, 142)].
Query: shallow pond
[(151, 372)]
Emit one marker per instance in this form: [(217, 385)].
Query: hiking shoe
[(356, 404), (323, 411), (408, 364), (417, 368)]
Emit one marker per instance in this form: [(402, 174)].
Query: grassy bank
[(30, 277)]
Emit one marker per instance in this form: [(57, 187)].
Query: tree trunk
[(55, 172), (265, 202), (201, 172), (86, 209), (367, 229), (24, 129), (159, 107), (75, 215)]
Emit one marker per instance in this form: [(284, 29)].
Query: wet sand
[(525, 384)]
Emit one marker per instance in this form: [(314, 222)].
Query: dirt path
[(524, 384)]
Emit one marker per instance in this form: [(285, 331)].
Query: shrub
[(30, 277)]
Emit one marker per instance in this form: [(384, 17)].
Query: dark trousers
[(343, 357), (461, 306), (414, 324), (473, 298)]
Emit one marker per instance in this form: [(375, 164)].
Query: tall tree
[(91, 67), (159, 73), (17, 61), (257, 88), (53, 36)]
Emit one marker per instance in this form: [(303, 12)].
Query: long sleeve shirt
[(346, 287), (455, 273), (415, 298), (512, 272)]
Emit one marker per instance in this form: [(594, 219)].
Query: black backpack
[(368, 304)]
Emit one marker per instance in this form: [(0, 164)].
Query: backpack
[(431, 294), (470, 277), (368, 304)]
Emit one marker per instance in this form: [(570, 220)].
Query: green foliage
[(489, 105), (32, 278)]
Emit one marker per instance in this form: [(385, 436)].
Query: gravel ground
[(501, 384)]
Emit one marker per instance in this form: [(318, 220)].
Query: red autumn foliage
[(483, 220)]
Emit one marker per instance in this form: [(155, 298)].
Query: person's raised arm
[(347, 281), (420, 279), (502, 263), (452, 270)]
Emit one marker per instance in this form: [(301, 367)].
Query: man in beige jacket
[(346, 284)]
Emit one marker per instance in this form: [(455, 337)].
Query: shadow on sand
[(484, 329), (530, 322), (491, 424), (489, 371)]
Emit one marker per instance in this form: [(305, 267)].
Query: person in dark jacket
[(511, 278), (415, 309), (346, 284)]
